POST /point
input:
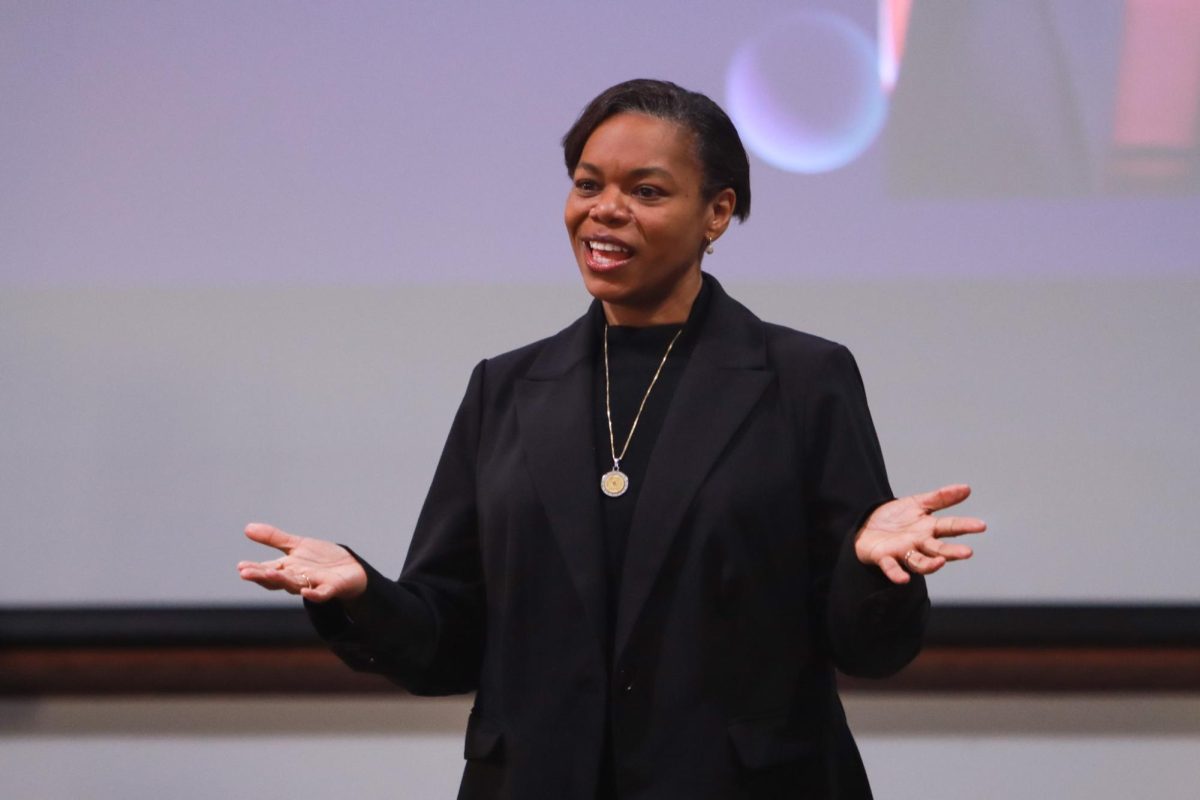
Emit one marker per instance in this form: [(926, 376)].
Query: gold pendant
[(614, 483)]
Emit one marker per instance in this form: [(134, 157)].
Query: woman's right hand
[(315, 569)]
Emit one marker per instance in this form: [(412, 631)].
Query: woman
[(653, 536)]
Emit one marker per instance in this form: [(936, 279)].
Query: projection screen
[(249, 253)]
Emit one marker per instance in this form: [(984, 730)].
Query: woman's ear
[(721, 212)]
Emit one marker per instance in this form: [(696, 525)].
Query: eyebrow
[(640, 172)]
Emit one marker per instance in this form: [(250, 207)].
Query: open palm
[(903, 536), (315, 569)]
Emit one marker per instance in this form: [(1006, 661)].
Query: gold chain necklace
[(615, 483)]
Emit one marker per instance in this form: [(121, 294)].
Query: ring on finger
[(908, 558), (307, 582)]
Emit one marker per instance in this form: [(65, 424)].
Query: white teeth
[(608, 247)]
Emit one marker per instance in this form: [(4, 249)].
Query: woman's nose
[(610, 207)]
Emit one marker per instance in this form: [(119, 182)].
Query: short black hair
[(719, 148)]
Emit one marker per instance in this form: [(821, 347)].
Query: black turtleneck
[(634, 354)]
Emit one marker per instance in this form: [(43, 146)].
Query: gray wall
[(931, 747), (152, 424)]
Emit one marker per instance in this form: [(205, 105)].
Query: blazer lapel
[(554, 402), (723, 380)]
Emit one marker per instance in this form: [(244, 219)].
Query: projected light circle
[(806, 96)]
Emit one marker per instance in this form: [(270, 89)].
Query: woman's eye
[(647, 192), (586, 185)]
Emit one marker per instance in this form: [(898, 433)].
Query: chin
[(601, 287), (607, 290)]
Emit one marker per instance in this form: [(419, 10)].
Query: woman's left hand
[(903, 536)]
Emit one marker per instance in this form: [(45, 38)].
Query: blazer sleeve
[(425, 630), (874, 627)]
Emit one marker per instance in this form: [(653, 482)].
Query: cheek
[(674, 234), (574, 213)]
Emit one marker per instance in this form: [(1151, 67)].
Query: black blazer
[(740, 592)]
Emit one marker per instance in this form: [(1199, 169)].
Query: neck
[(672, 310)]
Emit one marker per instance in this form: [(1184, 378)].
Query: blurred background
[(249, 253)]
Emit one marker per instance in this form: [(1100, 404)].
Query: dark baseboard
[(976, 626), (272, 650)]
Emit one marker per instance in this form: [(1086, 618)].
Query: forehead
[(634, 141)]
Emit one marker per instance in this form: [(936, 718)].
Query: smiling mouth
[(606, 255)]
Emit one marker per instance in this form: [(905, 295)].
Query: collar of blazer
[(724, 377)]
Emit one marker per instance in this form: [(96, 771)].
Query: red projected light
[(1158, 96)]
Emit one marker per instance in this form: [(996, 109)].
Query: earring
[(708, 248)]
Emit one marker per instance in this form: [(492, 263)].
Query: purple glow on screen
[(806, 96)]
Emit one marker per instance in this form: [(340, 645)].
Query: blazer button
[(627, 688)]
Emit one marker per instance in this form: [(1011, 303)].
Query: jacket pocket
[(765, 741), (484, 740)]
